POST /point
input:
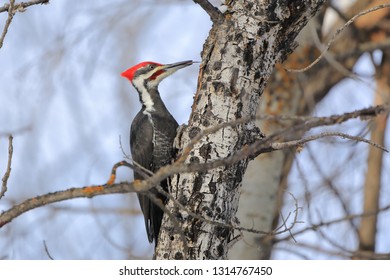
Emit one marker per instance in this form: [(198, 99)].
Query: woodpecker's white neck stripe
[(145, 96)]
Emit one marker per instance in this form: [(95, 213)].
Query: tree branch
[(213, 12), (22, 6), (335, 35), (8, 170), (265, 145), (315, 226), (8, 21), (300, 142), (12, 9)]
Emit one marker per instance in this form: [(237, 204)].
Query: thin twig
[(335, 35), (8, 169), (334, 221), (300, 142), (23, 5), (8, 21), (47, 250)]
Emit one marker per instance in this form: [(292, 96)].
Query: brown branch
[(8, 21), (12, 9), (300, 142), (336, 34), (175, 168), (8, 169), (214, 13), (22, 6), (314, 227), (84, 192), (367, 113)]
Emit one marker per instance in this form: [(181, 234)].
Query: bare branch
[(47, 250), (263, 145), (313, 121), (85, 192), (8, 21), (8, 170), (22, 6), (12, 9), (213, 12), (336, 34), (335, 221), (300, 142)]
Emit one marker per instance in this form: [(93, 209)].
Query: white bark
[(237, 59)]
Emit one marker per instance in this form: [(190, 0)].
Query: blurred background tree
[(68, 109)]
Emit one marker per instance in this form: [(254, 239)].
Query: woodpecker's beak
[(179, 65), (165, 70), (162, 71), (176, 66)]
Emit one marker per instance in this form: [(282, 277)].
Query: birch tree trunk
[(265, 181), (238, 57)]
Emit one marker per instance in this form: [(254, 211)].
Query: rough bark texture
[(265, 181), (238, 57)]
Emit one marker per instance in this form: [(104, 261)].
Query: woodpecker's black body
[(152, 134), (151, 144)]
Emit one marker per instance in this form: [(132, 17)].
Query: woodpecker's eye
[(151, 66)]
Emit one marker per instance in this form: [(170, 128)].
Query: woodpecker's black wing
[(141, 145), (151, 143)]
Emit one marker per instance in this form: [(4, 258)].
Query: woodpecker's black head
[(146, 76)]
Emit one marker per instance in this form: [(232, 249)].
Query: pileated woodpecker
[(152, 133)]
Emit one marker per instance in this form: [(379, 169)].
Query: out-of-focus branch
[(364, 47), (8, 170), (372, 186), (300, 142), (22, 6), (8, 21), (337, 33), (334, 221), (12, 8)]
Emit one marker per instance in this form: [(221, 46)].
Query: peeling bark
[(238, 58)]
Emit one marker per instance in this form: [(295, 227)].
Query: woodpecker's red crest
[(129, 73)]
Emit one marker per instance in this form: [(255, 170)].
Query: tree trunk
[(238, 58), (372, 184), (265, 181)]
